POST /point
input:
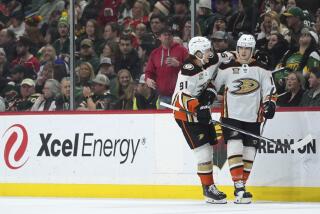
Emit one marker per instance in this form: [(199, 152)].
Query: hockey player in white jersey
[(246, 101), (195, 93)]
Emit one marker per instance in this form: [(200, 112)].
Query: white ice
[(14, 205)]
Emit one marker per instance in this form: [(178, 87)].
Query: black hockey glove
[(269, 109), (203, 114), (207, 97)]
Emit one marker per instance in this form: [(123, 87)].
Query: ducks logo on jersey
[(245, 86)]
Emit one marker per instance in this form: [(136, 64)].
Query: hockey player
[(194, 92), (246, 101)]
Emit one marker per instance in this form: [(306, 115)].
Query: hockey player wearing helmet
[(246, 101), (194, 92)]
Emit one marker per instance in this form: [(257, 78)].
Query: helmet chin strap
[(201, 60)]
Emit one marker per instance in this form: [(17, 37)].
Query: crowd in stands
[(128, 52)]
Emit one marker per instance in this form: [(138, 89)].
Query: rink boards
[(144, 155)]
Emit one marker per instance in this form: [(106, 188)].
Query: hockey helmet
[(246, 40), (198, 43)]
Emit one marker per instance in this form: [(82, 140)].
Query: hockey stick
[(299, 144)]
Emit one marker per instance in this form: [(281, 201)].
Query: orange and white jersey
[(247, 86), (192, 81)]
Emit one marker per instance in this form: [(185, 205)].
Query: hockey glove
[(269, 109), (203, 114), (207, 97)]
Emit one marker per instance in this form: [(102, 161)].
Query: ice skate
[(241, 196), (213, 195)]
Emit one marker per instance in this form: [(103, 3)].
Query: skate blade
[(213, 201), (242, 200)]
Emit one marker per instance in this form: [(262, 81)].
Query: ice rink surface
[(13, 205)]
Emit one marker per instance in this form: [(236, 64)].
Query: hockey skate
[(242, 197), (213, 195)]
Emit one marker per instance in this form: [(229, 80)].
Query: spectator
[(181, 11), (140, 12), (51, 34), (111, 32), (46, 73), (62, 44), (87, 54), (47, 54), (125, 89), (86, 74), (140, 30), (270, 24), (4, 65), (294, 18), (205, 16), (107, 69), (27, 97), (145, 97), (312, 96), (220, 41), (186, 32), (128, 57), (224, 8), (219, 24), (305, 57), (92, 33), (110, 50), (47, 100), (17, 23), (32, 31), (9, 93), (100, 98), (277, 5), (91, 11), (157, 23), (8, 42), (164, 65), (294, 90), (63, 101), (277, 46), (291, 3), (25, 57), (18, 73), (241, 21)]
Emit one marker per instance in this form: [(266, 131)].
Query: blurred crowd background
[(128, 52)]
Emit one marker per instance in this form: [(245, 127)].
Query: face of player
[(206, 55), (245, 53)]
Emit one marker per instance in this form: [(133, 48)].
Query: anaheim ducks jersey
[(192, 81), (247, 86)]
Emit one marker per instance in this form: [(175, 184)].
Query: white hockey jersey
[(247, 86), (192, 81)]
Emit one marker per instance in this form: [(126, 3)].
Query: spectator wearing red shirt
[(140, 14), (164, 65), (25, 58)]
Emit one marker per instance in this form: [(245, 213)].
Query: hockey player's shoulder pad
[(189, 69), (259, 64), (232, 63)]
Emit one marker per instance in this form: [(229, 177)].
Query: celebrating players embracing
[(194, 92)]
